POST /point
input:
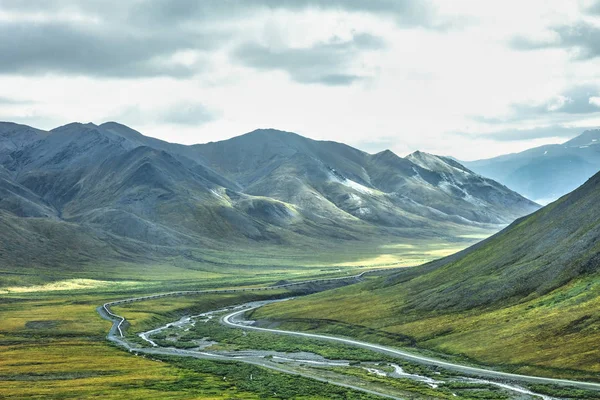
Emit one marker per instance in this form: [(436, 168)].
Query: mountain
[(533, 287), (334, 179), (127, 196), (545, 173)]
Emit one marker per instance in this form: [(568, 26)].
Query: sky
[(467, 78)]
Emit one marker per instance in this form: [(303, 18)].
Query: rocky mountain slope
[(547, 172), (336, 179), (113, 188)]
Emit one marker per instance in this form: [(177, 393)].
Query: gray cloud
[(40, 48), (582, 40), (406, 13), (188, 114), (185, 113), (594, 9), (14, 101), (138, 39), (576, 100), (572, 103), (328, 63), (509, 135)]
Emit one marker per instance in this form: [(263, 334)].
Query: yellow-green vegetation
[(554, 335), (225, 265), (54, 347), (417, 390), (52, 341), (227, 339)]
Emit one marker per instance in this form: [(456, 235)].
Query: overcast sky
[(471, 79)]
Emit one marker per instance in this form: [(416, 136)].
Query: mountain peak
[(121, 130), (425, 160), (386, 154), (75, 127), (271, 133), (11, 127), (433, 162), (587, 138)]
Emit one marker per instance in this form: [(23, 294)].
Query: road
[(116, 335), (121, 320), (230, 320)]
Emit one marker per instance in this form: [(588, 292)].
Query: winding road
[(234, 320)]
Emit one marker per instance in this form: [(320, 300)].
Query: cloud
[(571, 103), (13, 101), (51, 47), (542, 132), (581, 40), (405, 13), (594, 9), (181, 113), (187, 114), (576, 100), (143, 39), (327, 63)]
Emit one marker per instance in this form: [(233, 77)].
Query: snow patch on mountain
[(336, 177)]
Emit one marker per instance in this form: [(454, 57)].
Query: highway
[(234, 320), (121, 319), (230, 320)]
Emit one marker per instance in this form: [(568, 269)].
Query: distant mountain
[(545, 173), (125, 195)]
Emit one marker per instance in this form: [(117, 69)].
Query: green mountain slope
[(527, 298)]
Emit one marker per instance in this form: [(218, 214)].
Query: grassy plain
[(225, 266), (54, 347), (52, 341)]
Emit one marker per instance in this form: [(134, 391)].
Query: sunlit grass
[(554, 335)]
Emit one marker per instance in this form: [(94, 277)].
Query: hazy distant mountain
[(547, 172), (119, 193)]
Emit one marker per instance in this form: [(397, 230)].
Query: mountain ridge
[(265, 186), (547, 172)]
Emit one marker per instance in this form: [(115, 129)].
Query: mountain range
[(98, 191), (545, 173)]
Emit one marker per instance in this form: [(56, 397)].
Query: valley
[(387, 343), (177, 339), (299, 200)]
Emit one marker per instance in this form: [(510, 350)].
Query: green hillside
[(527, 298)]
